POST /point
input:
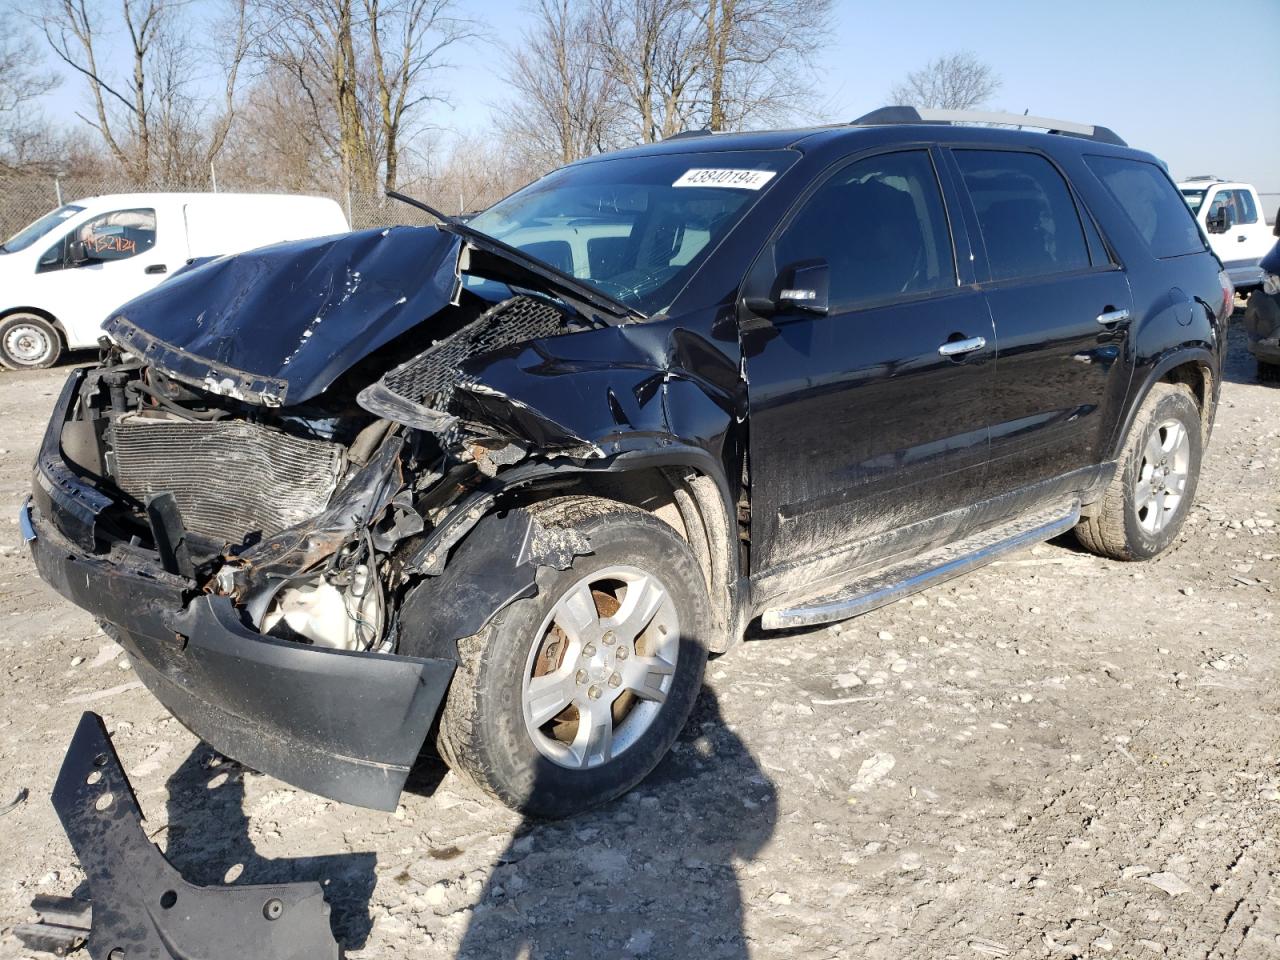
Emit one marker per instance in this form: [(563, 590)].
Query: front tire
[(28, 342), (1151, 493), (570, 698)]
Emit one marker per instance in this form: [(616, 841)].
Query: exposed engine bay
[(305, 516)]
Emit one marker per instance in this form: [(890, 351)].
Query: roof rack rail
[(704, 132), (930, 115)]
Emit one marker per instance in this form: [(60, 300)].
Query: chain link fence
[(24, 199)]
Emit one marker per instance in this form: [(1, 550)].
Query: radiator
[(231, 479)]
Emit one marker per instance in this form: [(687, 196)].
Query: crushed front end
[(239, 564), (248, 516)]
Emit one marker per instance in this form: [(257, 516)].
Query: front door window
[(118, 235)]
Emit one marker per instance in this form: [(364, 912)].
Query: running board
[(909, 576)]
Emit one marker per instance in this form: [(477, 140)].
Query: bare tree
[(408, 42), (23, 131), (147, 114), (653, 50), (957, 81), (363, 67), (565, 103), (759, 56)]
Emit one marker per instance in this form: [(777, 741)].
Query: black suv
[(508, 481)]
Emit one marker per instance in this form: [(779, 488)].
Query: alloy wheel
[(1162, 475), (600, 667)]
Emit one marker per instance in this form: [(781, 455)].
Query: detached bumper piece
[(141, 906)]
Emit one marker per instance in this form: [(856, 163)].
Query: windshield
[(635, 228), (29, 235), (1194, 199)]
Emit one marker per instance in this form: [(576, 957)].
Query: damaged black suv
[(508, 482)]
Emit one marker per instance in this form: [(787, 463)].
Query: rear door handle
[(156, 268), (1113, 316), (956, 348)]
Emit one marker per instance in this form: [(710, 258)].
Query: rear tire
[(1151, 493), (29, 342), (570, 698), (1268, 372)]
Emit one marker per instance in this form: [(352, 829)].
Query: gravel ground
[(1056, 756)]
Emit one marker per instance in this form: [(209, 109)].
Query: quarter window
[(881, 227), (1029, 222), (118, 235), (1151, 202)]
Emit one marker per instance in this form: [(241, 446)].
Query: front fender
[(606, 388)]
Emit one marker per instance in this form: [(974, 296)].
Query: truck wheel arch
[(696, 503)]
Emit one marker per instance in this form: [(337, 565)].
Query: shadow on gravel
[(588, 887), (208, 836)]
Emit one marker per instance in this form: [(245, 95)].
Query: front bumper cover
[(140, 905), (341, 724)]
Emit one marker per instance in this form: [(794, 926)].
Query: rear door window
[(1152, 203), (880, 225), (1029, 222)]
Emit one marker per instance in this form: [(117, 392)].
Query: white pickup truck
[(1231, 214)]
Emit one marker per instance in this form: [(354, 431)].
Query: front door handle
[(956, 348), (1113, 316), (156, 268), (1240, 239)]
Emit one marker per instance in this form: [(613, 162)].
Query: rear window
[(1152, 203), (1029, 221)]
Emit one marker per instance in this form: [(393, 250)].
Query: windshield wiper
[(554, 275)]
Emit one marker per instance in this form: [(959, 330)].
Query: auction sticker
[(740, 179)]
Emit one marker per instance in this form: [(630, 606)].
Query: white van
[(62, 276)]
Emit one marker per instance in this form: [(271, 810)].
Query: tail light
[(1228, 294)]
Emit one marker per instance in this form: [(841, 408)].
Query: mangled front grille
[(418, 392), (231, 479)]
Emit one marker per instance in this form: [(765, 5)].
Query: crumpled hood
[(278, 325)]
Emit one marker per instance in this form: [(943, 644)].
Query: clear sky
[(1197, 83)]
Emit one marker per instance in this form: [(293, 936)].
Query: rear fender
[(1197, 353)]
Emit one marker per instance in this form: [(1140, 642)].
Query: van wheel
[(570, 698), (28, 342), (1150, 495)]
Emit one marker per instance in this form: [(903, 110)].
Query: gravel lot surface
[(1056, 756)]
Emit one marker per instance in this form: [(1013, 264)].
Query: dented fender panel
[(606, 387)]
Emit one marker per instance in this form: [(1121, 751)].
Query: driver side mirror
[(1217, 221), (77, 253), (1276, 229), (803, 286)]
